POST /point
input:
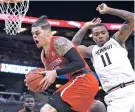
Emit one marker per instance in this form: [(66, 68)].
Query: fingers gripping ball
[(33, 79)]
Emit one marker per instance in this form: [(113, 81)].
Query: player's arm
[(127, 27), (65, 48), (77, 39)]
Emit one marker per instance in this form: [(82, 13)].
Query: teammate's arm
[(127, 27), (65, 48)]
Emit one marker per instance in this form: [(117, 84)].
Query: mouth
[(36, 41), (101, 40), (30, 107)]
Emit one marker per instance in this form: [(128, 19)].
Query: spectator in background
[(2, 87), (11, 98), (23, 96), (2, 99), (29, 104)]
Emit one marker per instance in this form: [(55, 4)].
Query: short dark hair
[(100, 24), (27, 96), (42, 22)]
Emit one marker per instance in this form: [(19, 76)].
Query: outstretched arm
[(77, 39), (127, 27)]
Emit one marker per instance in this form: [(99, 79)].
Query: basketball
[(33, 78)]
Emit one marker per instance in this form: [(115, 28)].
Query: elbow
[(77, 43), (131, 18)]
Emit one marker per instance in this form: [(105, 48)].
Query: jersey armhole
[(120, 42)]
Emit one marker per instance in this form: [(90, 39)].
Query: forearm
[(126, 15), (75, 63), (72, 67), (77, 39)]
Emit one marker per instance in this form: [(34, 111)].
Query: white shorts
[(121, 100)]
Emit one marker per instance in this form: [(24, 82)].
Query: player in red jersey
[(60, 56)]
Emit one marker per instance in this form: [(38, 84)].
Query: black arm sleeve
[(75, 62)]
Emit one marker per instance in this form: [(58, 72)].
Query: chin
[(38, 46), (100, 44)]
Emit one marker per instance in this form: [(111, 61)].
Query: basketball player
[(29, 104), (110, 60), (60, 56)]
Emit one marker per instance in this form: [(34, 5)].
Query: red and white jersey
[(22, 110), (58, 48), (112, 65)]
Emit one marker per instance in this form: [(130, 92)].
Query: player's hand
[(42, 73), (103, 8), (49, 78), (26, 83), (90, 24)]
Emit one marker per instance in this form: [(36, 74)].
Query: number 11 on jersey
[(107, 59)]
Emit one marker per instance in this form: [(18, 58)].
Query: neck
[(26, 110), (47, 45), (104, 42)]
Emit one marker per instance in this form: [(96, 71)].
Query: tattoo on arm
[(127, 27), (62, 45), (77, 39), (126, 15), (124, 27), (122, 35)]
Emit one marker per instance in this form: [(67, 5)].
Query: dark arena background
[(19, 54)]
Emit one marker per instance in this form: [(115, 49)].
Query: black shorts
[(61, 106)]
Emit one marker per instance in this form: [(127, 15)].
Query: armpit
[(62, 45)]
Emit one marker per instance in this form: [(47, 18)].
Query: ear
[(23, 104), (93, 39), (48, 30)]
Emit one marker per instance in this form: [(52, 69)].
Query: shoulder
[(91, 47), (119, 42), (85, 51), (62, 45), (61, 41)]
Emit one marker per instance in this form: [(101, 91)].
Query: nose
[(34, 36), (100, 36), (30, 104)]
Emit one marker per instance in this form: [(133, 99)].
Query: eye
[(96, 34), (37, 33), (103, 32)]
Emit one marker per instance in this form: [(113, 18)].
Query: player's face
[(29, 103), (40, 36), (100, 35)]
